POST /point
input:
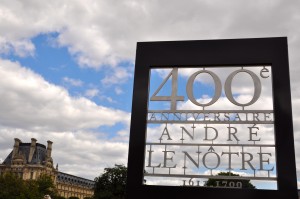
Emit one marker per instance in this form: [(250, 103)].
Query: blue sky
[(57, 66), (67, 66)]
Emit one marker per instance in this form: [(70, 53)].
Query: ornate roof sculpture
[(29, 153), (30, 160)]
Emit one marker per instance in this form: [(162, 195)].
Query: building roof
[(39, 155), (34, 154), (71, 179)]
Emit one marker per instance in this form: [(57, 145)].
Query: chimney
[(16, 147), (49, 148), (32, 149)]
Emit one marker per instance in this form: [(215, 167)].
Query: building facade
[(69, 185), (30, 160)]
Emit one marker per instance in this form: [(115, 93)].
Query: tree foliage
[(46, 185), (111, 184), (13, 187), (60, 197), (227, 182)]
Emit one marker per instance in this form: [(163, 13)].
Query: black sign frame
[(231, 52)]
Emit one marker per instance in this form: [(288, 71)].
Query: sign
[(210, 118), (189, 138)]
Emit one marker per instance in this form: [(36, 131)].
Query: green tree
[(111, 184), (32, 189), (229, 182), (12, 187), (59, 197), (46, 186)]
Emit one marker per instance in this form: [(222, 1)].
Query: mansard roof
[(39, 155), (71, 179)]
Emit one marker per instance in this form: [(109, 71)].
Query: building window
[(31, 175)]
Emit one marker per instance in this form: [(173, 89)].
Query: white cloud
[(30, 102), (24, 48), (116, 76), (102, 34), (108, 99), (90, 93), (118, 91), (72, 82), (74, 152)]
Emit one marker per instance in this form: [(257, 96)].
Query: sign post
[(212, 119)]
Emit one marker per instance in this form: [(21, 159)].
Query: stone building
[(69, 185), (30, 160)]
